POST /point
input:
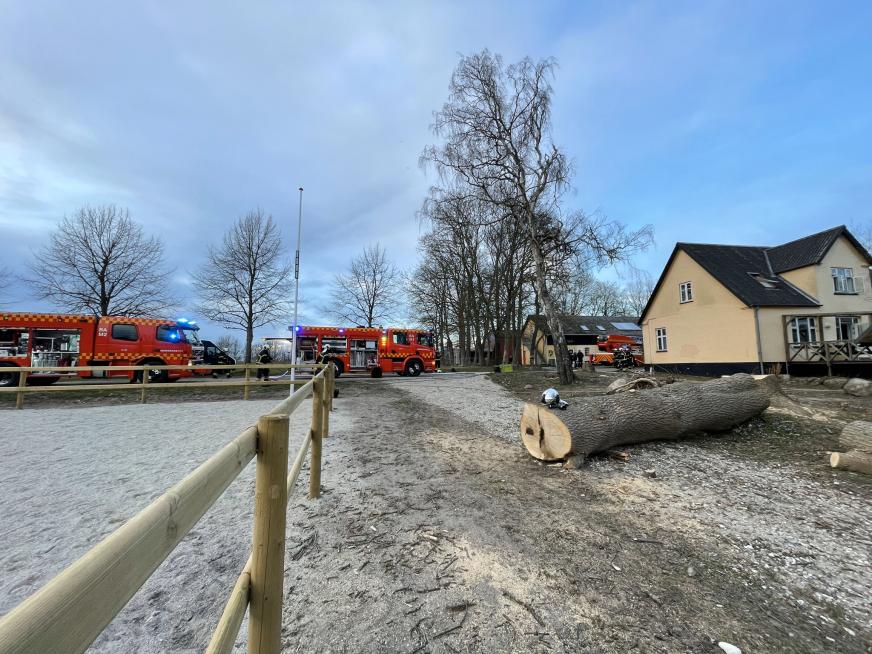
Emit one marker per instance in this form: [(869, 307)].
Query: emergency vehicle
[(606, 346), (47, 339), (407, 352)]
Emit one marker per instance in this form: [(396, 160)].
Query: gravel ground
[(437, 533)]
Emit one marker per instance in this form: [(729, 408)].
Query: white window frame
[(843, 281), (660, 335), (853, 324), (810, 324), (685, 292)]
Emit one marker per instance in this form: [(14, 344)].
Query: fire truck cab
[(60, 340), (407, 352)]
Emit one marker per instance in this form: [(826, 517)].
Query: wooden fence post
[(245, 392), (19, 396), (317, 432), (144, 384), (327, 399), (268, 546)]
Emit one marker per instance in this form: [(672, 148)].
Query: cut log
[(857, 435), (595, 424), (854, 461)]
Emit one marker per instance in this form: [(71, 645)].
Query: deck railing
[(144, 384), (72, 609), (829, 351)]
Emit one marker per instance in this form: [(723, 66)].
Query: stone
[(650, 473), (835, 382), (528, 387), (620, 381), (728, 648), (858, 387)]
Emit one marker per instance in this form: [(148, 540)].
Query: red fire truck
[(407, 352), (608, 344), (44, 339)]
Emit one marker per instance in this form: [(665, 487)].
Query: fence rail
[(144, 383), (69, 612)]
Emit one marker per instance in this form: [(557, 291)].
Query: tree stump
[(595, 424)]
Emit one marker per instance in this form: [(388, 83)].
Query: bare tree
[(245, 281), (369, 292), (863, 232), (5, 277), (231, 345), (637, 291), (99, 261), (497, 147)]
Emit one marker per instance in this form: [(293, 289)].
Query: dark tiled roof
[(732, 266), (575, 324), (804, 251)]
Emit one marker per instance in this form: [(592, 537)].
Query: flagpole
[(296, 294)]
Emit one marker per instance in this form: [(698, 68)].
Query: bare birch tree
[(245, 282), (369, 293), (637, 291), (496, 127), (231, 345), (99, 261)]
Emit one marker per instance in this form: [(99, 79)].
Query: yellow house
[(799, 307)]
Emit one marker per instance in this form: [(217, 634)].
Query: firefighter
[(263, 357)]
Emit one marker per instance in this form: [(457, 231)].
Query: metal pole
[(296, 295)]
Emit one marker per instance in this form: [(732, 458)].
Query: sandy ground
[(437, 533)]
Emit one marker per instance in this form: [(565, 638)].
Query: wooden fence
[(144, 384), (72, 609)]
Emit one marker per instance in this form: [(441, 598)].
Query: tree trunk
[(857, 435), (249, 337), (598, 423), (561, 352), (854, 461)]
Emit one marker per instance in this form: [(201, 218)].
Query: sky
[(725, 122)]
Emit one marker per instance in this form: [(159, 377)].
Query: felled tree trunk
[(855, 461), (595, 424), (857, 435)]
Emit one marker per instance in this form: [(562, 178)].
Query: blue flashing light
[(341, 331), (298, 328)]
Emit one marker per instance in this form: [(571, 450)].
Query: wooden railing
[(144, 384), (829, 351), (69, 612)]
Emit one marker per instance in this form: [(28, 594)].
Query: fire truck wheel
[(413, 368), (340, 368), (154, 376), (376, 373), (7, 377)]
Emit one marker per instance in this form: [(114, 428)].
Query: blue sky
[(735, 122)]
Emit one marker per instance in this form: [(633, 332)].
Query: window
[(601, 328), (661, 339), (168, 334), (803, 330), (425, 339), (125, 333), (401, 338), (843, 280), (685, 292), (847, 327), (763, 281), (585, 328)]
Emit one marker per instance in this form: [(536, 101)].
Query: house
[(582, 334), (799, 307)]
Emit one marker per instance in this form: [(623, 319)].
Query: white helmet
[(550, 397)]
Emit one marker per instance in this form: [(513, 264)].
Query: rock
[(814, 381), (691, 572), (858, 387), (528, 387), (728, 648), (650, 473), (835, 382), (620, 381)]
